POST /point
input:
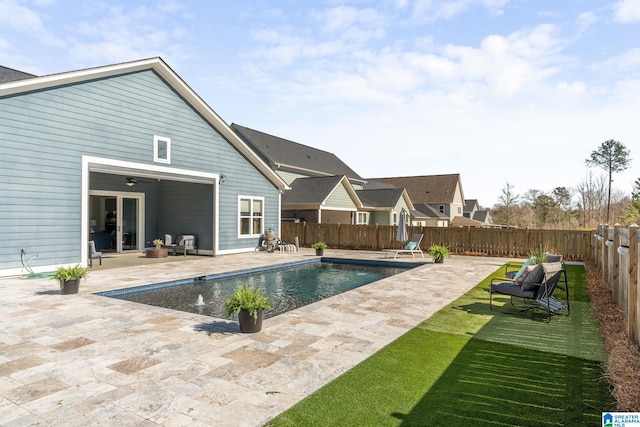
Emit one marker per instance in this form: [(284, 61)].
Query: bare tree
[(508, 199), (591, 198), (613, 157)]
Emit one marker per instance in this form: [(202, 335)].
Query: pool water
[(288, 287)]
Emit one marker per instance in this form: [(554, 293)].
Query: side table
[(156, 253)]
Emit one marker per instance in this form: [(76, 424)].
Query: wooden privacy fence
[(482, 241), (615, 251)]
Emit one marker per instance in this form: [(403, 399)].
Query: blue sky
[(496, 90)]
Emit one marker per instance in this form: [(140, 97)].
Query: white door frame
[(120, 167), (119, 195)]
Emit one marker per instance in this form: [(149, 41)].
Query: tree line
[(591, 202)]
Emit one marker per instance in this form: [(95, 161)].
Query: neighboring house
[(323, 188), (122, 155), (326, 200), (426, 216), (383, 206), (443, 193), (474, 211), (462, 221)]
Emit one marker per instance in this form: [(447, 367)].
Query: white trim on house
[(251, 216), (157, 140), (161, 68), (310, 172), (120, 167)]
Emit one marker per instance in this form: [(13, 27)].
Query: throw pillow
[(532, 275), (526, 264)]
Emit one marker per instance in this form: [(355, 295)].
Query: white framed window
[(161, 149), (363, 218), (459, 210), (395, 218), (250, 216)]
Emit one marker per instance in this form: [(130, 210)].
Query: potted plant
[(69, 278), (438, 252), (158, 243), (319, 247), (249, 304)]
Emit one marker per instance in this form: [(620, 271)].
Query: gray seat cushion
[(509, 288)]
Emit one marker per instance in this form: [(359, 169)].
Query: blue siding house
[(122, 155)]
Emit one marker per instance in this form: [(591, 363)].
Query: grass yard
[(467, 365)]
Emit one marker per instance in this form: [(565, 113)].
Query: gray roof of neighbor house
[(429, 189), (377, 185), (428, 211), (482, 216), (469, 204), (280, 152), (9, 74), (383, 198), (311, 190)]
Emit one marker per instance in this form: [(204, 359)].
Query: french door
[(116, 221)]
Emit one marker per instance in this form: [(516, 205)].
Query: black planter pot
[(439, 260), (69, 286), (248, 324), (319, 252)]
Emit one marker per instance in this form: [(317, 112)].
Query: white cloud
[(122, 34), (627, 11), (433, 10), (25, 20), (627, 61), (586, 21)]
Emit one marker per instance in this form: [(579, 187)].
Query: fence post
[(615, 266), (633, 303)]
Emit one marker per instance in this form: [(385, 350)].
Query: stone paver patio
[(78, 360)]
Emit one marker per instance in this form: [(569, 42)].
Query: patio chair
[(412, 247), (536, 287), (185, 242), (168, 242), (515, 270), (93, 254)]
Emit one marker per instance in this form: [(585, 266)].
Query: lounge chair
[(536, 287), (168, 242), (515, 270), (185, 242), (412, 247), (93, 254)]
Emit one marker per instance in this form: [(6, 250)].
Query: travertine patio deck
[(78, 360)]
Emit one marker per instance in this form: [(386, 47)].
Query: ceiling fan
[(130, 181)]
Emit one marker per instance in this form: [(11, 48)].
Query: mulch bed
[(623, 365)]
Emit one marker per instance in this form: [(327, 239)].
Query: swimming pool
[(288, 286)]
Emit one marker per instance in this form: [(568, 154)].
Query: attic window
[(161, 149)]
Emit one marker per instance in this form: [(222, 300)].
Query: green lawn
[(467, 365)]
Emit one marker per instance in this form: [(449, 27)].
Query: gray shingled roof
[(377, 185), (481, 216), (469, 204), (279, 151), (382, 198), (9, 75), (428, 211), (311, 190), (429, 189)]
